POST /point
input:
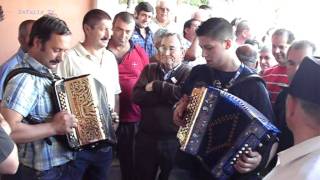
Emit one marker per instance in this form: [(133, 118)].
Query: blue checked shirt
[(32, 95), (8, 66), (146, 43)]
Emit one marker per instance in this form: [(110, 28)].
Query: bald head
[(248, 55), (296, 52), (24, 33)]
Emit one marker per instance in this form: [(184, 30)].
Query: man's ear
[(86, 28), (227, 43), (36, 42), (291, 104), (135, 15)]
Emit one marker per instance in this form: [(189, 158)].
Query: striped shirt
[(146, 43), (276, 78), (8, 66), (32, 95)]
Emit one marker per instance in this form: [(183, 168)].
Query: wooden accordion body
[(86, 98), (220, 127)]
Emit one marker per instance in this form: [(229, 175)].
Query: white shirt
[(79, 61), (171, 26), (300, 162)]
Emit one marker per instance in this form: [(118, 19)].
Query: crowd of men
[(149, 69)]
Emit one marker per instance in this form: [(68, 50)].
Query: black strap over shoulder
[(31, 71), (249, 77)]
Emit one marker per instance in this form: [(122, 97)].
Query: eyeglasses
[(171, 49), (163, 9), (264, 57)]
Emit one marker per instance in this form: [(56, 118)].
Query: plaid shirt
[(146, 43), (32, 95)]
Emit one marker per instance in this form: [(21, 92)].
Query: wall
[(16, 11)]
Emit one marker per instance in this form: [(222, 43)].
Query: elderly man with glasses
[(156, 91)]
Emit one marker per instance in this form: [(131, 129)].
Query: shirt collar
[(81, 51), (36, 65), (168, 74), (299, 150), (20, 53), (137, 28)]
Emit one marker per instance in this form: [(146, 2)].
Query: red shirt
[(130, 68), (276, 78)]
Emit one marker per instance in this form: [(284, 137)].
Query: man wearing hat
[(302, 161)]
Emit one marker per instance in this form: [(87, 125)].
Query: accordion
[(86, 98), (220, 127)]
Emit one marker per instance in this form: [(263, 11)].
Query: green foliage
[(196, 2), (132, 1)]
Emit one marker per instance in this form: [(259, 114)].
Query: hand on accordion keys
[(63, 122), (180, 108), (248, 162)]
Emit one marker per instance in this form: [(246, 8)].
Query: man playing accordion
[(222, 70)]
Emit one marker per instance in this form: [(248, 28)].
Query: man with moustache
[(276, 77), (142, 34), (92, 57), (29, 109), (23, 38), (131, 60)]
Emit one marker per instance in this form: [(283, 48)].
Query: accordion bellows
[(86, 98), (220, 127)]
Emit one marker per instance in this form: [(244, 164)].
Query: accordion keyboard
[(190, 115)]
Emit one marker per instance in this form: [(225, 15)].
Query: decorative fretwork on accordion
[(220, 127), (86, 98)]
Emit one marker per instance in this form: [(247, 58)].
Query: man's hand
[(63, 122), (248, 162), (181, 106), (149, 87), (115, 120)]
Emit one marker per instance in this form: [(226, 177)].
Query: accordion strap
[(250, 77), (31, 71)]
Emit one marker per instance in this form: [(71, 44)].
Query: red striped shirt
[(276, 78)]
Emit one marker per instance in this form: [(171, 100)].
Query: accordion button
[(243, 149), (231, 162), (246, 145), (234, 159), (260, 144), (240, 152)]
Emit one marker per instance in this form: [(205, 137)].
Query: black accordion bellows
[(220, 127), (86, 98)]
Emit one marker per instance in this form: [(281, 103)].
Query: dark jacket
[(156, 106)]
